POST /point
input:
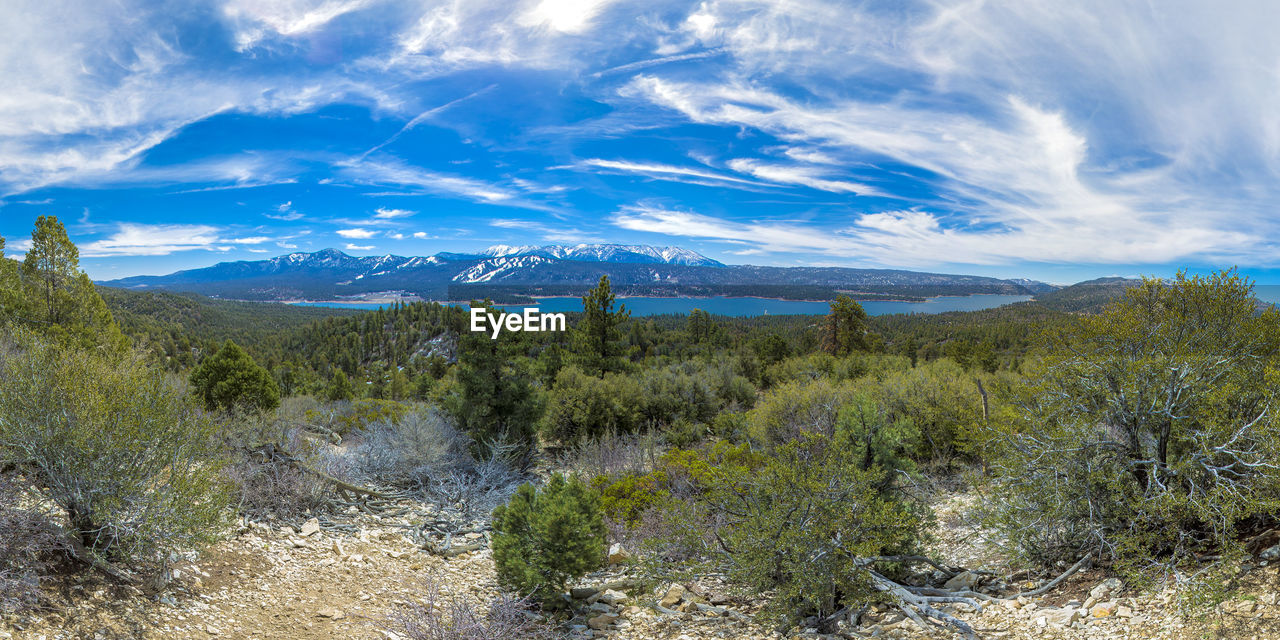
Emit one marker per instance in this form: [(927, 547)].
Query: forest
[(1126, 425)]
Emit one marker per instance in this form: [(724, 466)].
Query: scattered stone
[(964, 581), (602, 621), (1104, 609), (1106, 587), (338, 549), (1270, 553), (310, 527), (1064, 617), (673, 596), (332, 613), (611, 597), (582, 593), (618, 554), (1124, 612)]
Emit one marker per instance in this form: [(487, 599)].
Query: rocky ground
[(343, 580)]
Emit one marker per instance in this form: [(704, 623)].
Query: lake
[(726, 306)]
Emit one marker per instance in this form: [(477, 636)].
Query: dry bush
[(614, 454), (29, 547), (404, 452), (272, 489), (423, 452), (432, 615)]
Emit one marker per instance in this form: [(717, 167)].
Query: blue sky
[(1036, 138)]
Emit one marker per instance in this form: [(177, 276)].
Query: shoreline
[(537, 299)]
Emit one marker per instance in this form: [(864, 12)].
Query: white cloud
[(421, 235), (358, 233), (284, 212), (153, 240), (396, 236), (806, 176), (384, 213), (250, 240), (673, 173), (427, 181), (356, 247), (569, 16), (915, 238), (257, 18)]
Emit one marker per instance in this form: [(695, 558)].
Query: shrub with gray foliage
[(423, 452), (432, 615), (29, 546)]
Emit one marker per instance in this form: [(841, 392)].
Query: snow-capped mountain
[(617, 253), (552, 269)]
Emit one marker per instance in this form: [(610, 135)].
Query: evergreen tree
[(846, 328), (597, 340), (699, 326), (58, 299), (496, 403), (51, 267), (398, 387), (10, 290), (230, 378), (339, 387), (545, 538)]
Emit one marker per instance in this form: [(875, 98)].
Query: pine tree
[(339, 387), (846, 328), (496, 404), (59, 299), (230, 379), (398, 387), (597, 340), (10, 289)]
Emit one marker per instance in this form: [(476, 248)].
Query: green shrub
[(798, 407), (349, 417), (582, 406), (230, 379), (940, 398), (1148, 434), (625, 499), (684, 432), (546, 537), (125, 456), (793, 522)]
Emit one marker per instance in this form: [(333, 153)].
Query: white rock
[(310, 527), (964, 581)]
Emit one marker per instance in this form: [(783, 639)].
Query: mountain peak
[(620, 253)]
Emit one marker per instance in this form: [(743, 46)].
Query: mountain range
[(504, 270)]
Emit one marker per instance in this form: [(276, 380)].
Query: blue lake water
[(726, 306)]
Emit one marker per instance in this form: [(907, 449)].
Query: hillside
[(183, 326), (1088, 296)]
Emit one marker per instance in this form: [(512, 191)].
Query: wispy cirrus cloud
[(802, 175), (673, 173), (153, 240)]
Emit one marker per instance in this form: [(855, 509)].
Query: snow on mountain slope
[(618, 253), (495, 268)]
